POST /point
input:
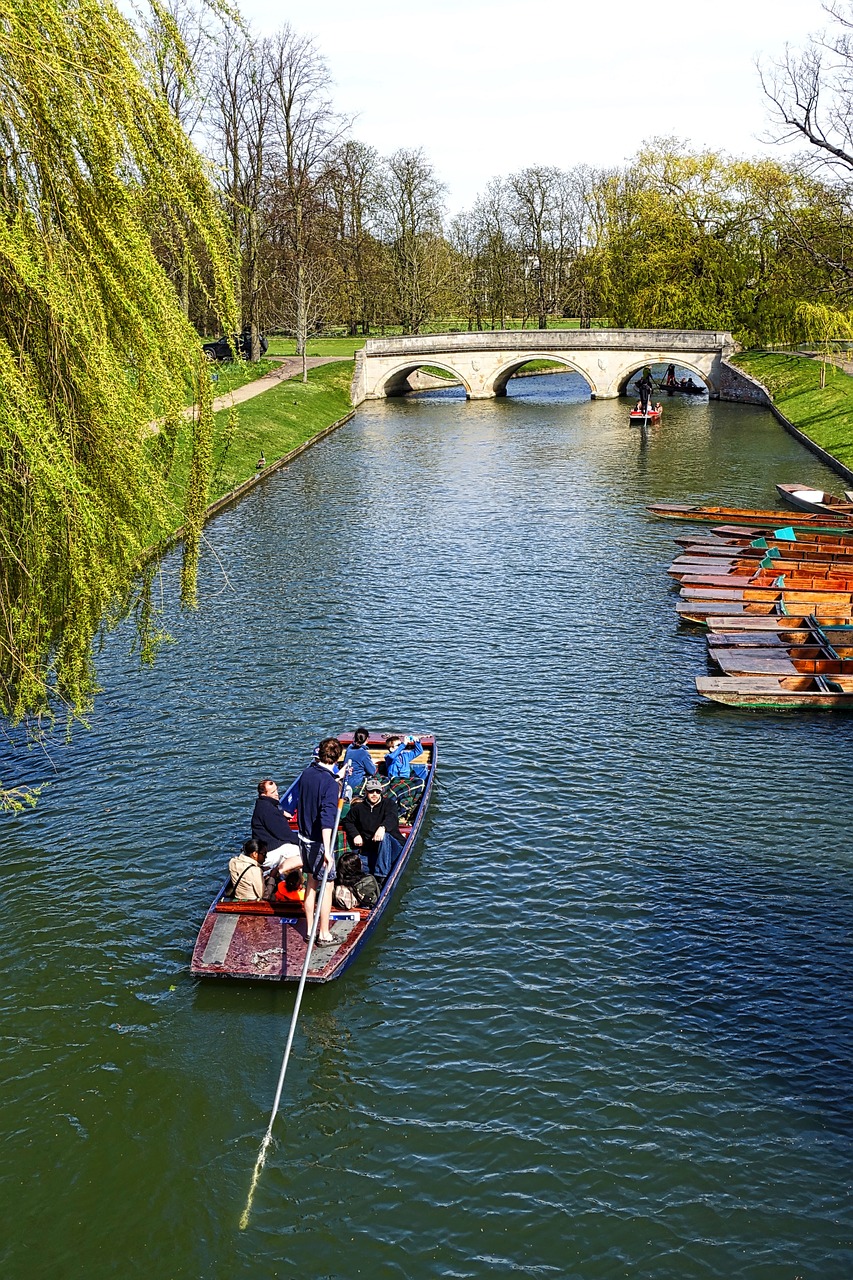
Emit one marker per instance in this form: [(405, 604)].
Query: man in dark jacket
[(319, 790), (373, 827), (271, 825)]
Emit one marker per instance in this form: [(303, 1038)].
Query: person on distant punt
[(360, 760), (318, 804), (247, 878), (401, 753), (373, 827), (669, 380), (646, 388), (270, 823)]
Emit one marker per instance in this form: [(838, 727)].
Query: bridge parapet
[(485, 361)]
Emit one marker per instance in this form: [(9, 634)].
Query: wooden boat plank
[(737, 662), (770, 692), (744, 515)]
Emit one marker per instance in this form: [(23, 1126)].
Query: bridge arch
[(632, 370), (505, 371), (395, 382)]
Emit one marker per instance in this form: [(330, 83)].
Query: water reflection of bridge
[(484, 362)]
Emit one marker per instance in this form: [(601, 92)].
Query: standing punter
[(317, 810)]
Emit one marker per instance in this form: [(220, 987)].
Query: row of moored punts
[(776, 596)]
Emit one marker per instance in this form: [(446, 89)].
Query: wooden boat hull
[(699, 610), (770, 623), (761, 519), (638, 419), (795, 572), (805, 498), (259, 941), (739, 589), (804, 660), (773, 693)]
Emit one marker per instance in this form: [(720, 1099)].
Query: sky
[(488, 87)]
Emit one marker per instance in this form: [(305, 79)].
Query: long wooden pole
[(262, 1154)]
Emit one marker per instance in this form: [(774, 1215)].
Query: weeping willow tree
[(94, 344)]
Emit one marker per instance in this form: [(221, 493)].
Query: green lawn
[(273, 423), (824, 415), (231, 375)]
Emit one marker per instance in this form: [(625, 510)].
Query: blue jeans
[(384, 857)]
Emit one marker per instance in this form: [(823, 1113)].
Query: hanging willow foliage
[(94, 345)]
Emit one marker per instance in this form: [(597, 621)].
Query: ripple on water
[(603, 1030)]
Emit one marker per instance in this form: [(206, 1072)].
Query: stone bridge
[(484, 362)]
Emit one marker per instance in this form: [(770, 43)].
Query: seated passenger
[(401, 753), (658, 407), (373, 828), (291, 888), (638, 407), (360, 761), (247, 878), (271, 824)]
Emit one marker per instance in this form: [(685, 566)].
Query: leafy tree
[(94, 344)]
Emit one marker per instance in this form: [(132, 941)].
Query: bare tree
[(812, 92), (240, 110), (351, 192), (306, 129), (412, 215)]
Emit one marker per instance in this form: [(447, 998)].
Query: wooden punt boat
[(761, 519), (638, 418), (767, 660), (685, 568), (769, 624), (833, 641), (816, 552), (781, 693), (699, 610), (268, 941), (774, 595), (805, 498)]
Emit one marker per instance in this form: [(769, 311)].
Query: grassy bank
[(272, 424), (825, 414)]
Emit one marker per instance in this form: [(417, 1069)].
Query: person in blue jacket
[(360, 760), (401, 753), (319, 789)]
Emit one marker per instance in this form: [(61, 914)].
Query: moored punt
[(773, 595), (686, 568), (805, 498), (807, 577), (823, 640), (769, 623), (762, 519), (268, 941), (726, 611), (792, 552), (805, 660), (779, 692)]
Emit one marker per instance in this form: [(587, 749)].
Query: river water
[(604, 1029)]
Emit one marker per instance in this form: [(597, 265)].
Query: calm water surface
[(604, 1030)]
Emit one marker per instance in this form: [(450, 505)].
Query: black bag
[(367, 891)]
